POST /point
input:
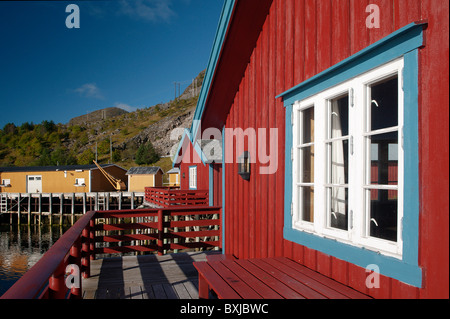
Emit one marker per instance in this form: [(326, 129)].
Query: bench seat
[(267, 278)]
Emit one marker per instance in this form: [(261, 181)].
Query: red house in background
[(354, 95)]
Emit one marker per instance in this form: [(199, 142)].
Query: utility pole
[(175, 83), (110, 149)]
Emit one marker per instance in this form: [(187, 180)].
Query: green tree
[(146, 154), (116, 156), (86, 157), (103, 147), (61, 156)]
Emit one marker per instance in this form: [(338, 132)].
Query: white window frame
[(358, 225), (80, 181), (6, 182), (193, 177)]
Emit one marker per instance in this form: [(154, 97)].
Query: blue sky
[(126, 53)]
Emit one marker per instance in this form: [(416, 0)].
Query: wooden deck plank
[(159, 291), (310, 282), (215, 280), (181, 291), (301, 288), (349, 292), (147, 292), (271, 281), (135, 276), (240, 286), (252, 280), (135, 293), (170, 291), (192, 289)]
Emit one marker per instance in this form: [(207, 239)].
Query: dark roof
[(173, 170), (53, 168), (150, 170)]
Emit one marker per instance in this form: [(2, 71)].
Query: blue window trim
[(189, 172), (402, 43)]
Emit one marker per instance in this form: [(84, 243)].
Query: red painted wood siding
[(191, 158), (298, 40)]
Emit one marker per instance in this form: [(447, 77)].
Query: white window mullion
[(320, 172), (357, 162)]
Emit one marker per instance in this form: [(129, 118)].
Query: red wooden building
[(356, 95), (200, 168)]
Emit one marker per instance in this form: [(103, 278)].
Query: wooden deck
[(144, 277)]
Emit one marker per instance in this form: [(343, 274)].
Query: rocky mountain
[(98, 115), (111, 135)]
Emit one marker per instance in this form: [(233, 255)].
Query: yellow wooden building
[(141, 177), (59, 179), (174, 177)]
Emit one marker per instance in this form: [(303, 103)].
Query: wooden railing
[(46, 279), (169, 197), (157, 230), (116, 232)]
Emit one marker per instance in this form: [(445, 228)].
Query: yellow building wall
[(138, 183), (174, 179), (52, 181), (60, 182)]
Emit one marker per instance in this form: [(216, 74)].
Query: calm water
[(21, 247)]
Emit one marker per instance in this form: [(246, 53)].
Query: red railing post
[(92, 238), (57, 285), (75, 259), (85, 253), (160, 232)]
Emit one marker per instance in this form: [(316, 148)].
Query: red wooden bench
[(267, 278)]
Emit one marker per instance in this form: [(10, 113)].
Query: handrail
[(171, 198), (46, 277), (150, 230)]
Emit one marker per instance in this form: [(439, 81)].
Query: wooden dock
[(170, 276), (31, 208)]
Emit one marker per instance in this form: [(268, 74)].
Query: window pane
[(339, 117), (338, 210), (383, 214), (384, 164), (384, 104), (307, 158), (338, 167), (307, 203), (307, 126)]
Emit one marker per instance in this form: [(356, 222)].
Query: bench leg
[(203, 288)]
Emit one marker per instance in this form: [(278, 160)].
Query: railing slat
[(177, 227)]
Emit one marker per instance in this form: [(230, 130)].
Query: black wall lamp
[(244, 166)]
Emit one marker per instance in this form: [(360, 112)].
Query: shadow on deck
[(170, 276)]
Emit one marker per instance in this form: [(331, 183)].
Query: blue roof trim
[(195, 146), (222, 28)]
